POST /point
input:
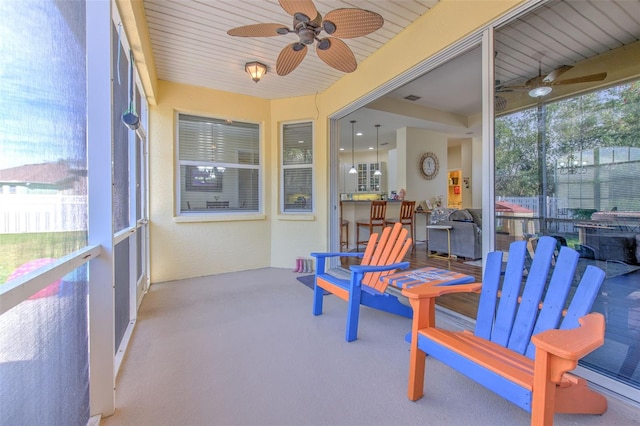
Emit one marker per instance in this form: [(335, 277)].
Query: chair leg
[(318, 298), (353, 313), (346, 240), (543, 397), (413, 237), (318, 292), (344, 236)]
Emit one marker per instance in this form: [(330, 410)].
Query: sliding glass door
[(567, 153)]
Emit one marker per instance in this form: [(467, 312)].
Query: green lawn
[(18, 249)]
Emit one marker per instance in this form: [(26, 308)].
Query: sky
[(42, 83)]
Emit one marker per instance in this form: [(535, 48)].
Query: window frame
[(284, 167), (185, 215)]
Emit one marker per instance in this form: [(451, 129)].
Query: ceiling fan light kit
[(255, 70), (538, 92), (338, 23)]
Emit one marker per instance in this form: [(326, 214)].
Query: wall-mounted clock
[(429, 165)]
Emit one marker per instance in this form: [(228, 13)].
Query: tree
[(573, 126), (516, 154)]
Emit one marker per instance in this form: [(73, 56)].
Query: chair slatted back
[(378, 212), (407, 211), (509, 314), (390, 248)]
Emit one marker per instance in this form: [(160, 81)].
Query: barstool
[(407, 213), (344, 231), (376, 218)]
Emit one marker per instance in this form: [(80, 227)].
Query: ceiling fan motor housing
[(307, 35), (307, 29)]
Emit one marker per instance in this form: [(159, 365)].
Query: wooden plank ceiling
[(191, 45)]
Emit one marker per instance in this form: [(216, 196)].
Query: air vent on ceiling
[(412, 97)]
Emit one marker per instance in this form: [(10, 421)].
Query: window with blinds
[(219, 165), (297, 168)]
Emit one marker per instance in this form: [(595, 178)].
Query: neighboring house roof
[(503, 206), (44, 174)]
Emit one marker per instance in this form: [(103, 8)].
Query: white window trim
[(297, 215), (217, 216)]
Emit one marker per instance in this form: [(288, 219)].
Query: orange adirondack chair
[(382, 256), (527, 336)]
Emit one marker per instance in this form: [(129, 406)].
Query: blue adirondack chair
[(382, 256), (527, 337)]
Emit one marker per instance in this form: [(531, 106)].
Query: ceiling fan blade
[(349, 23), (257, 30), (584, 79), (512, 89), (299, 6), (335, 53), (290, 57), (553, 75), (499, 103)]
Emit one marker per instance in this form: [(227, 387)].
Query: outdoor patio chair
[(382, 256), (527, 336)]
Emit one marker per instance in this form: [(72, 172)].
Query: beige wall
[(461, 156), (295, 235), (467, 171), (362, 157), (188, 249), (475, 178), (191, 247), (418, 142), (454, 156)]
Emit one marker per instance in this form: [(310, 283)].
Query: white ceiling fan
[(540, 85)]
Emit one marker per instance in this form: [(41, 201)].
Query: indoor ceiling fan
[(541, 85), (308, 25)]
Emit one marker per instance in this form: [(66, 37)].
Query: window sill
[(296, 217), (218, 217)]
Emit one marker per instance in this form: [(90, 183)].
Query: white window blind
[(219, 165)]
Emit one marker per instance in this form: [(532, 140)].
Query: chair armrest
[(427, 292), (346, 254), (363, 269), (358, 271), (575, 343)]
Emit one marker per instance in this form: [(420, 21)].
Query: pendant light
[(352, 170), (377, 172)]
